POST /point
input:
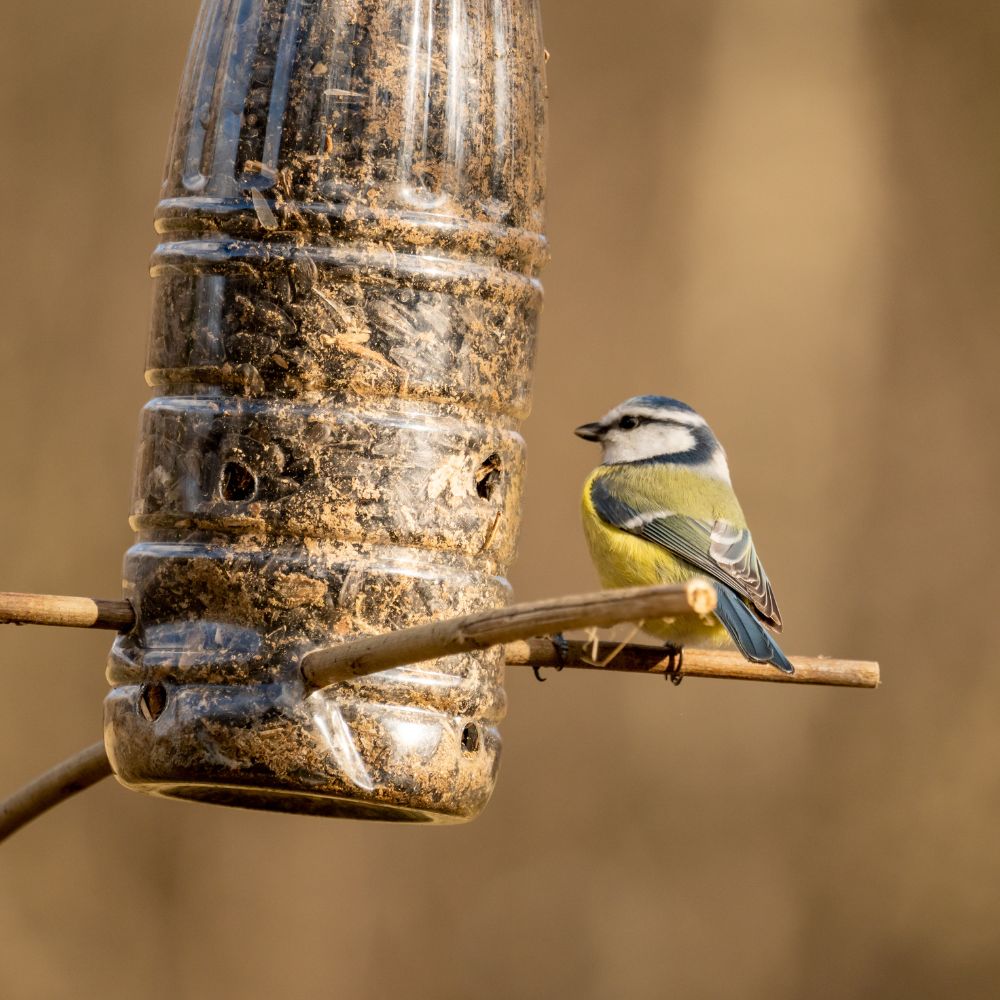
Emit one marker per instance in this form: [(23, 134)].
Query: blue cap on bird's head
[(664, 403), (657, 429)]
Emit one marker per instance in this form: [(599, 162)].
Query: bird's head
[(653, 429)]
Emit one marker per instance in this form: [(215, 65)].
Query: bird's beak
[(589, 432)]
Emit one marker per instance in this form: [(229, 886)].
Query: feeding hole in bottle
[(152, 701), (238, 482), (470, 738), (488, 477)]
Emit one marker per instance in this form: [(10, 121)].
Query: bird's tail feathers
[(748, 633)]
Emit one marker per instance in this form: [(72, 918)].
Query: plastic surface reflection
[(346, 302)]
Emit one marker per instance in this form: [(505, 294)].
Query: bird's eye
[(628, 422)]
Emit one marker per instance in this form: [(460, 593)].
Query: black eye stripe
[(631, 421)]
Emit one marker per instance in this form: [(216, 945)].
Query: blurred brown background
[(785, 212)]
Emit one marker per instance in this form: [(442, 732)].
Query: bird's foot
[(562, 654), (675, 664)]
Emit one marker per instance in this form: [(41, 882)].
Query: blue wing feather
[(750, 638)]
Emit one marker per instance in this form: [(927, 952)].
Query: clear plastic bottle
[(346, 302)]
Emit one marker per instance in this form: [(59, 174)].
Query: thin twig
[(639, 659), (68, 612), (78, 773), (349, 660)]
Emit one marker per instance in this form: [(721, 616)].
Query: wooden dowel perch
[(370, 655), (68, 612), (639, 659)]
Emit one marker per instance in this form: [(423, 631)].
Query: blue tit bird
[(661, 509)]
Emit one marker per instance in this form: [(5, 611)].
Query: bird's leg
[(675, 663), (562, 649), (562, 653)]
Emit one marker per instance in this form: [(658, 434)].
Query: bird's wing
[(718, 547)]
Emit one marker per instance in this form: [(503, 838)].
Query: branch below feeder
[(64, 781), (373, 654)]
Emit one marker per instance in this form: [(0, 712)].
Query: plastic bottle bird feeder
[(329, 480), (344, 323)]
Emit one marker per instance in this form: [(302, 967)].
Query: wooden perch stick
[(372, 654), (518, 627), (638, 659), (69, 612), (62, 782)]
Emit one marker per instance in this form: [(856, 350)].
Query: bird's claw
[(675, 664), (562, 654)]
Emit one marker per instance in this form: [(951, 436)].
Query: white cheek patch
[(666, 439), (647, 441)]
